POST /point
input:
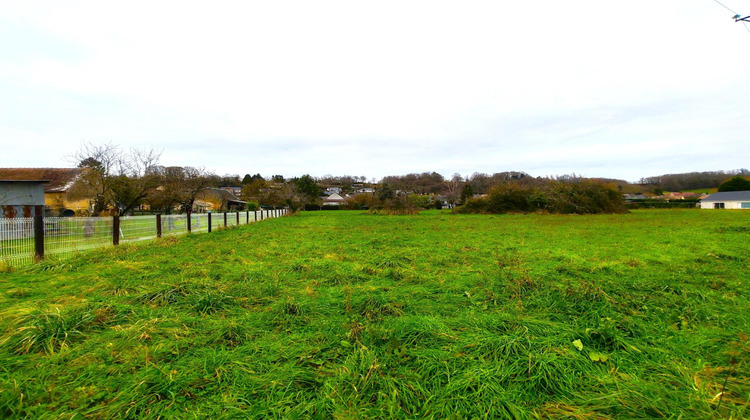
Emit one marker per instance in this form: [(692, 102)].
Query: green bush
[(252, 206), (570, 197), (421, 201), (737, 183)]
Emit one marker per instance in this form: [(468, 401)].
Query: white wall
[(731, 205)]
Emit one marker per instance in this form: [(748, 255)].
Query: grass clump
[(50, 330), (209, 302)]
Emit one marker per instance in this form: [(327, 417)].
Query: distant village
[(85, 191)]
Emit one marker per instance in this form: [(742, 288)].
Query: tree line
[(120, 181), (691, 180)]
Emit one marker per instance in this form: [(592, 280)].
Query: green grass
[(703, 190), (66, 236), (344, 314)]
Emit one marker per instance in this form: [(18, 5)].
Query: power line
[(737, 16), (722, 5)]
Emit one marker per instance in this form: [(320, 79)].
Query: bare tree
[(95, 183), (114, 179), (181, 185), (137, 176), (453, 189)]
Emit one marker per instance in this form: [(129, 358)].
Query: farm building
[(18, 197), (58, 182), (727, 200), (218, 199), (334, 200)]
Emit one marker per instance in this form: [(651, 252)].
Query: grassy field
[(703, 190), (345, 315)]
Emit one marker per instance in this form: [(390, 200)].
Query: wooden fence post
[(247, 217), (209, 222), (158, 225), (225, 219), (39, 232), (189, 221), (238, 218), (255, 215), (115, 230)]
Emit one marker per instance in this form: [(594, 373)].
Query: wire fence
[(136, 228), (63, 237), (17, 239), (199, 222), (216, 221)]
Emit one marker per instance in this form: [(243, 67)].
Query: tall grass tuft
[(51, 330), (209, 302)]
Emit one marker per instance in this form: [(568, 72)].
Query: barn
[(57, 185), (727, 200), (19, 197)]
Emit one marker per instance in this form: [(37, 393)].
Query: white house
[(727, 200), (332, 190)]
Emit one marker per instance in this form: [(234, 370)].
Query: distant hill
[(692, 181)]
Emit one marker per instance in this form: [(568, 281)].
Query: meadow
[(352, 315)]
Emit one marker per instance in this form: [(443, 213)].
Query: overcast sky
[(620, 89)]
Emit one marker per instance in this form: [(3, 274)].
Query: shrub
[(584, 197), (363, 201), (252, 206), (400, 204), (577, 196), (421, 201), (508, 197)]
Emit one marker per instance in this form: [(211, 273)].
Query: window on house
[(745, 205), (718, 205)]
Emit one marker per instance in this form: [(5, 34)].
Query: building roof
[(728, 196), (31, 181), (59, 179), (334, 198), (225, 195)]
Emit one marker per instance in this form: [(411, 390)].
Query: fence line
[(64, 236), (27, 239), (17, 239)]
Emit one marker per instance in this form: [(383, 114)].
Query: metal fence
[(17, 239), (65, 236)]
